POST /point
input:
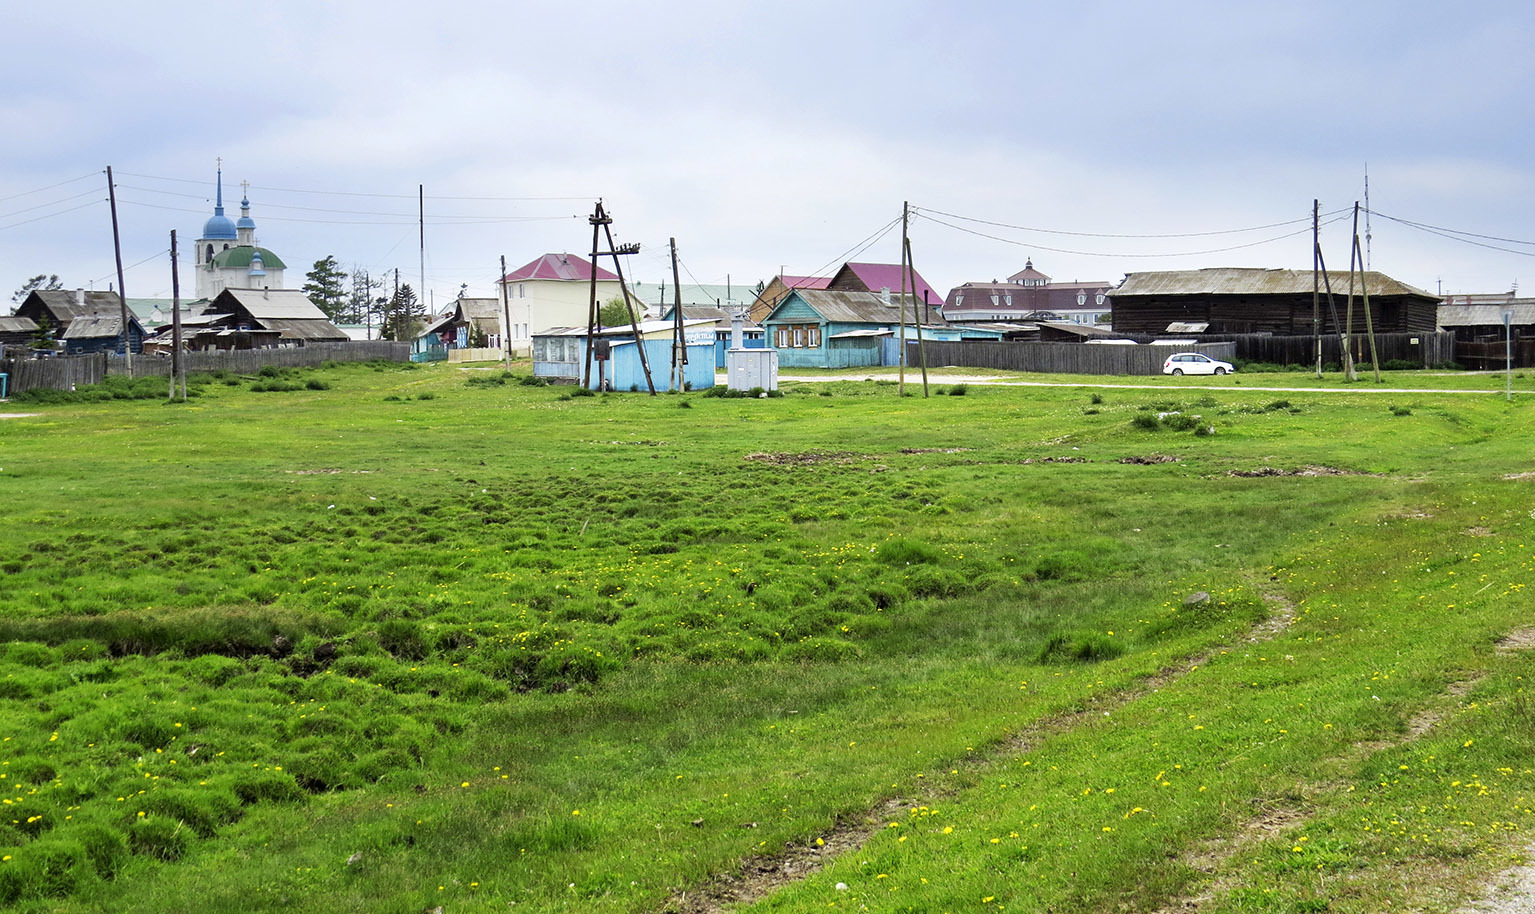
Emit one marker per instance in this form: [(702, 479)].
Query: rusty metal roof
[(1485, 315), (1253, 281), (858, 307)]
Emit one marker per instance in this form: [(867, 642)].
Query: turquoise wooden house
[(820, 328)]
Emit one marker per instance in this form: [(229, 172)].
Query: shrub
[(583, 392), (1097, 399), (1399, 365), (927, 581), (107, 848), (202, 810), (51, 867), (1277, 405), (256, 786), (316, 384), (1090, 648), (1400, 411), (903, 551), (403, 639), (1145, 422), (959, 390), (157, 837), (426, 395)]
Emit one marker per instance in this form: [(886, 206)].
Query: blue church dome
[(220, 227), (245, 221)]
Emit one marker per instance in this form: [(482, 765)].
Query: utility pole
[(901, 303), (421, 295), (618, 268), (1349, 372), (506, 317), (591, 314), (1316, 293), (122, 294), (394, 301), (178, 369), (679, 335)]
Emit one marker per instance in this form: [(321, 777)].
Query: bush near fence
[(69, 372)]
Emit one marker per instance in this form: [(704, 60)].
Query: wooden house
[(84, 321), (18, 332), (1279, 302), (773, 294), (287, 313), (837, 329)]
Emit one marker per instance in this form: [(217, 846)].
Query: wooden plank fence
[(249, 361), (1060, 358), (58, 373), (67, 372), (1426, 350)]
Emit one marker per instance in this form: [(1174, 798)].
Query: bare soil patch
[(1149, 459), (1312, 470), (18, 415), (936, 450), (806, 459)]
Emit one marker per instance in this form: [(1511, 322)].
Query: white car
[(1182, 363)]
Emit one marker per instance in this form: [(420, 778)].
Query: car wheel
[(1219, 370), (1177, 372)]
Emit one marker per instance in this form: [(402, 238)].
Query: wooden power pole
[(178, 367), (122, 294), (506, 318)]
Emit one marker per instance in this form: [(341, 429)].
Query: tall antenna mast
[(1367, 215)]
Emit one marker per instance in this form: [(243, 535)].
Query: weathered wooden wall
[(60, 373), (1061, 358), (69, 371), (244, 361)]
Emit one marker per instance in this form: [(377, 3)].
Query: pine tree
[(326, 286), (402, 319), (42, 282)]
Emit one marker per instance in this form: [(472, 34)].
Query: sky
[(1096, 138)]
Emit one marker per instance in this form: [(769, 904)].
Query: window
[(799, 337), (1100, 298), (1009, 298), (1081, 299), (522, 291)]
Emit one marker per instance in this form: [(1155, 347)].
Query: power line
[(345, 193), (1041, 247), (455, 220), (39, 190), (49, 216), (83, 193), (1462, 237), (111, 275), (1024, 228), (314, 209)]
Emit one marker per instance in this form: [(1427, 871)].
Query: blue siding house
[(818, 328), (559, 356)]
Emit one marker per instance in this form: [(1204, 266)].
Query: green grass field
[(380, 639)]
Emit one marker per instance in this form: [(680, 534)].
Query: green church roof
[(240, 257)]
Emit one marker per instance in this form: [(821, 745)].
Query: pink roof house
[(551, 291)]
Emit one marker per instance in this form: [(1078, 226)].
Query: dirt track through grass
[(760, 876)]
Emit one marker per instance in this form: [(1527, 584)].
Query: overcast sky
[(772, 136)]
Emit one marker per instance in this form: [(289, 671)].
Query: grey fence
[(66, 372), (57, 373), (246, 361), (1422, 349), (1061, 358)]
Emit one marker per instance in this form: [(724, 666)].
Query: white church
[(227, 254)]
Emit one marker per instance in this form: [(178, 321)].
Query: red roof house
[(567, 267)]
